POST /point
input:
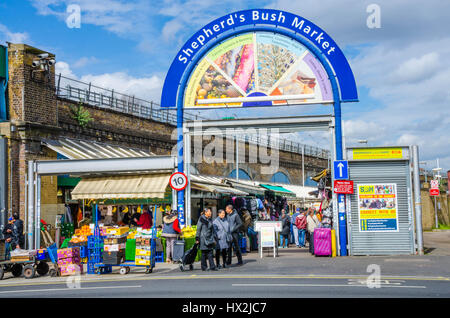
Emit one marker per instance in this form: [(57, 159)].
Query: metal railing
[(93, 95)]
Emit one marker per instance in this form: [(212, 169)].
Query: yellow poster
[(377, 153), (377, 207)]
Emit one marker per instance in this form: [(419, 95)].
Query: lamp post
[(425, 171), (437, 175)]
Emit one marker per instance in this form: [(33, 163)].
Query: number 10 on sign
[(178, 181)]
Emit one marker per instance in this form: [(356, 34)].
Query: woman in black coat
[(285, 230)]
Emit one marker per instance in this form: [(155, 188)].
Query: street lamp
[(437, 175), (425, 170), (363, 141)]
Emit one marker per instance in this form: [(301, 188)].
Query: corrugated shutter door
[(391, 243)]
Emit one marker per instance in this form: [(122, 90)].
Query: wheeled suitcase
[(189, 258), (178, 250), (322, 242)]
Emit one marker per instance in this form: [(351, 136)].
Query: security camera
[(51, 62), (36, 63), (43, 55)]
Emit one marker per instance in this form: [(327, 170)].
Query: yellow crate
[(117, 230), (141, 252), (142, 262)]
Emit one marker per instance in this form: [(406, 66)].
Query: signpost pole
[(341, 197), (180, 195), (418, 200)]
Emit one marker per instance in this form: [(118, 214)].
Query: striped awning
[(122, 187), (279, 190), (84, 149), (214, 185)]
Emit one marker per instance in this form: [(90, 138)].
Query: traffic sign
[(434, 184), (434, 191), (343, 186), (178, 181), (340, 169)]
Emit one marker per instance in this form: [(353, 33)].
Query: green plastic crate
[(130, 250)]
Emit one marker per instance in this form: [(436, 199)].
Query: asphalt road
[(230, 286)]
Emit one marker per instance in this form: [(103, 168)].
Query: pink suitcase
[(322, 242)]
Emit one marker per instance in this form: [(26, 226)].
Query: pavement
[(292, 272)]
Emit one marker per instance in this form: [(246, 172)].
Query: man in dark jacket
[(235, 227), (18, 226), (11, 239), (206, 237)]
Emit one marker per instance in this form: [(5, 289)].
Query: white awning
[(85, 149), (122, 187), (213, 185)]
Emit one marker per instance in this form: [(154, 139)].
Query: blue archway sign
[(296, 27)]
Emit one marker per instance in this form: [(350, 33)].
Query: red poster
[(434, 192), (343, 186)]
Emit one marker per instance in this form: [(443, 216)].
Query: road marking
[(182, 277), (317, 285), (65, 289)]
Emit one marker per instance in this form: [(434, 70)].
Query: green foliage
[(80, 114)]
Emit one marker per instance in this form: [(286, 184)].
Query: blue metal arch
[(336, 97)]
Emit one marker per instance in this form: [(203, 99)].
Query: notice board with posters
[(380, 218), (377, 207)]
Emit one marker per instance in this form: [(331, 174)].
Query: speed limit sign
[(178, 181)]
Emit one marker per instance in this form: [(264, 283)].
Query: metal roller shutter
[(391, 243)]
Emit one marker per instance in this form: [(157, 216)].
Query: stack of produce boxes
[(115, 244), (69, 261), (143, 250)]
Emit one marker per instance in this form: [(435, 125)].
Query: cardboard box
[(68, 252), (70, 260), (117, 230), (71, 269), (141, 252), (114, 247), (111, 241), (142, 262)]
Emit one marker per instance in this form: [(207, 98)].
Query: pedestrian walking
[(222, 228), (205, 236), (285, 229), (311, 224), (294, 227), (235, 228), (170, 231), (301, 224)]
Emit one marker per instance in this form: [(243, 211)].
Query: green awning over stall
[(278, 190)]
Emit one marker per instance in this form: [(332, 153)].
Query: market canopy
[(122, 187), (84, 149), (278, 190), (213, 185), (246, 186)]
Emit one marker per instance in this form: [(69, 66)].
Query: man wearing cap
[(11, 238)]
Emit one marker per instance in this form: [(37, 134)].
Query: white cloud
[(64, 69), (84, 61), (416, 68), (13, 37), (147, 88)]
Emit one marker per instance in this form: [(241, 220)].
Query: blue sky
[(402, 69)]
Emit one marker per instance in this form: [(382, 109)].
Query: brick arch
[(285, 172)]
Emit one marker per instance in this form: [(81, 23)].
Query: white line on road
[(64, 289), (316, 285)]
